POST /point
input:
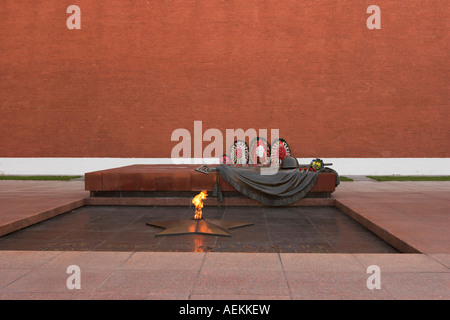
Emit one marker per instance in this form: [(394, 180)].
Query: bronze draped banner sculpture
[(282, 188), (287, 185)]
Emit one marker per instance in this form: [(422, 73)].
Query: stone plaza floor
[(412, 217)]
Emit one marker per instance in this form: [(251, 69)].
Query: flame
[(198, 203)]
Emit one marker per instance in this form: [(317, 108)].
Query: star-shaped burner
[(197, 224)]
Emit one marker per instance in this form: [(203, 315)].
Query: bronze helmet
[(289, 163)]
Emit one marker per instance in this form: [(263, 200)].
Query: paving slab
[(185, 261), (333, 286), (88, 260), (417, 286), (45, 295), (443, 258), (25, 259), (402, 262), (411, 216), (244, 282), (9, 275), (222, 296), (24, 203), (241, 262), (54, 280), (320, 263), (149, 283)]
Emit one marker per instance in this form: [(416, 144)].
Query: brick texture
[(137, 70)]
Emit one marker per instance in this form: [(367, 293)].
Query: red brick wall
[(137, 70)]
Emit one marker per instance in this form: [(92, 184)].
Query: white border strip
[(344, 166)]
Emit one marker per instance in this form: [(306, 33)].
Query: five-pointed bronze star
[(198, 226)]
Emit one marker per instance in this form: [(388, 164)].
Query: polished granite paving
[(123, 228)]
